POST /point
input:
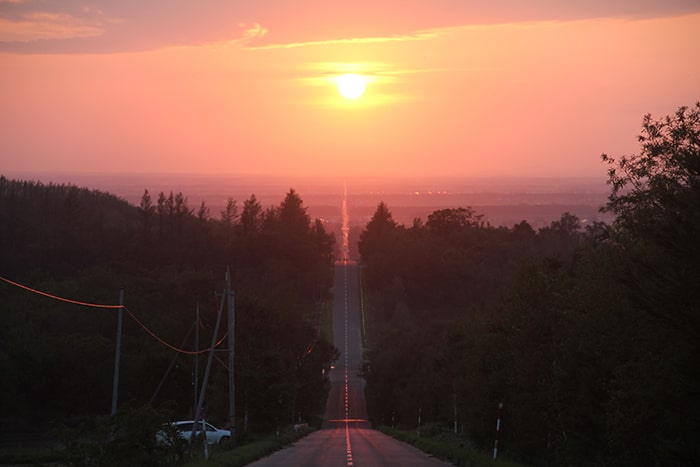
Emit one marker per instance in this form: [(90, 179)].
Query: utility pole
[(203, 390), (196, 355), (228, 299), (231, 354), (115, 384)]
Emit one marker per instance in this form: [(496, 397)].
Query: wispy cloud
[(251, 32), (41, 25), (324, 73), (415, 36), (327, 73)]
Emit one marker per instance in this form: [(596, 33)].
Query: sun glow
[(351, 85)]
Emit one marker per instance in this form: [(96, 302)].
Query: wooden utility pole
[(203, 390), (196, 355), (117, 353), (228, 299), (231, 354)]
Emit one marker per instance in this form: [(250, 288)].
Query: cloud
[(47, 26), (251, 33), (106, 26), (415, 36)]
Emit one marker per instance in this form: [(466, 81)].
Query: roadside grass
[(28, 456), (219, 457), (247, 453), (449, 448)]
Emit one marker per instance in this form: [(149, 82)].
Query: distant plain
[(501, 201)]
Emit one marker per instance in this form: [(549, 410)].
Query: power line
[(62, 299), (166, 344), (114, 307)]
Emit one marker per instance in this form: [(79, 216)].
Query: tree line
[(588, 335), (57, 358)]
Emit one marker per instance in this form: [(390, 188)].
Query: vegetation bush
[(450, 448)]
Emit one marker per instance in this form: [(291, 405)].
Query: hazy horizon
[(501, 200)]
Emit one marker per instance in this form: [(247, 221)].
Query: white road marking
[(348, 446)]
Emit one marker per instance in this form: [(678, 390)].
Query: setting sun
[(351, 86)]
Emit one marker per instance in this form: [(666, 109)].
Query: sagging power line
[(115, 307)]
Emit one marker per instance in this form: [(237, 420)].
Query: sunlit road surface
[(346, 438)]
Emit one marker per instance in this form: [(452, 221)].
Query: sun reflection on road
[(345, 228)]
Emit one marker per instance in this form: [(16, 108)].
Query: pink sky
[(248, 87)]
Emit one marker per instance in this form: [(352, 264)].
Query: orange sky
[(498, 90)]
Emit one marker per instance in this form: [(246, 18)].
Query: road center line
[(348, 446)]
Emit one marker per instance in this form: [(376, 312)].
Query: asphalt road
[(347, 438)]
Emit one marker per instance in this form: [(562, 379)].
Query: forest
[(588, 336), (57, 358)]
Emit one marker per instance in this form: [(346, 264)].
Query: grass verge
[(247, 453), (448, 448), (28, 456)]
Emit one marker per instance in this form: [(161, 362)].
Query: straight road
[(347, 438)]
